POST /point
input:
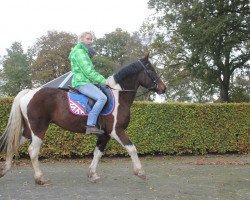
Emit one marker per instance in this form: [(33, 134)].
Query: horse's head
[(138, 73), (149, 78)]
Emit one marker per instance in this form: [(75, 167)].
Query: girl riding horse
[(33, 110)]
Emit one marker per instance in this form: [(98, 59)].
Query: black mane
[(132, 68)]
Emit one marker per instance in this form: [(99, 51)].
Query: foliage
[(238, 94), (207, 40), (16, 72), (166, 128), (50, 54), (104, 65), (120, 46)]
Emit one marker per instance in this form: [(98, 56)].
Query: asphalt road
[(187, 178)]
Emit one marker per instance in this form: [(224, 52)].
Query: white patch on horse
[(130, 148), (24, 101), (35, 145), (34, 149), (111, 82), (117, 87), (97, 155), (23, 140), (134, 156), (7, 165)]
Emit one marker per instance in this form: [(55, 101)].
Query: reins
[(123, 90)]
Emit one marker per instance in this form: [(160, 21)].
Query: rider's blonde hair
[(82, 35)]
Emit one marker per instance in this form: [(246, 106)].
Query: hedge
[(158, 128)]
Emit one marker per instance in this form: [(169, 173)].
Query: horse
[(34, 109)]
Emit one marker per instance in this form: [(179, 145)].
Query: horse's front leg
[(123, 139), (99, 149)]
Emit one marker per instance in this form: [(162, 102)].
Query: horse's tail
[(10, 139)]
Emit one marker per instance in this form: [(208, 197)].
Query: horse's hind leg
[(7, 165), (99, 149), (8, 161), (34, 149)]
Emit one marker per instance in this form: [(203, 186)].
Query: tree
[(240, 92), (104, 65), (120, 46), (15, 74), (210, 38), (50, 54)]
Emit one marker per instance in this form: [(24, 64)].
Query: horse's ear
[(146, 56)]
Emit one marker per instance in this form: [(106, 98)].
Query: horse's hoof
[(41, 181), (93, 177), (141, 174), (1, 174), (2, 169)]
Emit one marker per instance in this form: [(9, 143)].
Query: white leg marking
[(35, 145), (8, 162), (136, 162), (92, 175), (134, 156), (97, 156), (6, 166), (23, 139), (34, 149)]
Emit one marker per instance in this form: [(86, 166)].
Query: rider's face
[(87, 39)]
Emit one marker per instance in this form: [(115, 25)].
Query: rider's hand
[(103, 85)]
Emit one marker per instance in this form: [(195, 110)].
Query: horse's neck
[(130, 83)]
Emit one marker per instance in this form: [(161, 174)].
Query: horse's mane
[(132, 68)]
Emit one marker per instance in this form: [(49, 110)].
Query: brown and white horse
[(33, 110)]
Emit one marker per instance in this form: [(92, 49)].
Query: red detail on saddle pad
[(76, 108)]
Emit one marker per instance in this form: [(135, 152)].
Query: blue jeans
[(95, 93)]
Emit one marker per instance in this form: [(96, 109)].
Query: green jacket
[(82, 67)]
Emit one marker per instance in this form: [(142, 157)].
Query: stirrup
[(94, 130)]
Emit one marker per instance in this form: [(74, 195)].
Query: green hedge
[(166, 128)]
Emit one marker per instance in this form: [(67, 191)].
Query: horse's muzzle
[(161, 89)]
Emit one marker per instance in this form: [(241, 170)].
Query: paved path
[(185, 178)]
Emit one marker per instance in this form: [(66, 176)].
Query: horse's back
[(39, 95), (41, 102), (47, 98), (25, 99)]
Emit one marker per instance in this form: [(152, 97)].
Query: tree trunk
[(224, 88), (224, 94)]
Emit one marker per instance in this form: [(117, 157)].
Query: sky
[(26, 20)]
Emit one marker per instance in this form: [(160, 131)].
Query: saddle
[(80, 104)]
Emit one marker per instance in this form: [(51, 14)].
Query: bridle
[(154, 86)]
